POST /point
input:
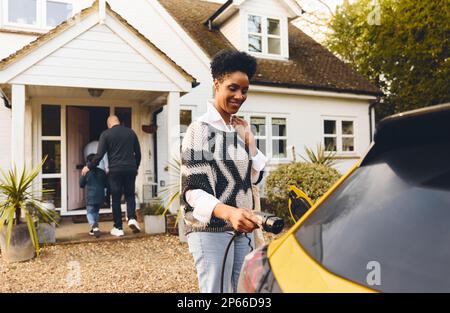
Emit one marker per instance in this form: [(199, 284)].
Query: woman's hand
[(243, 130), (242, 220)]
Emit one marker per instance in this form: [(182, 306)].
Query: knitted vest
[(219, 163)]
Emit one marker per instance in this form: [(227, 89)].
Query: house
[(67, 64)]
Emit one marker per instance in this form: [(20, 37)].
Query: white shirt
[(203, 202)]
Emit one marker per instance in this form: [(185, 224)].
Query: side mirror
[(299, 203)]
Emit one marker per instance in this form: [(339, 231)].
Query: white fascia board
[(149, 54), (202, 56), (293, 8), (53, 44), (305, 92)]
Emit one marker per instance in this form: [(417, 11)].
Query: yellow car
[(383, 227)]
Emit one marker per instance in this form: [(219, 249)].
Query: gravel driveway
[(150, 264)]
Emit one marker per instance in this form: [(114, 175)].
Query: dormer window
[(22, 12), (58, 12), (264, 35), (36, 14)]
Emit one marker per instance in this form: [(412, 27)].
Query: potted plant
[(21, 211), (47, 231), (154, 219), (171, 196)]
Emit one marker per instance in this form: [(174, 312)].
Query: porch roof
[(55, 32)]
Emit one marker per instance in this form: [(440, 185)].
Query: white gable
[(235, 27), (99, 50), (100, 58)]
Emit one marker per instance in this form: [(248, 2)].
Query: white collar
[(213, 117)]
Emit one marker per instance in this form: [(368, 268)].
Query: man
[(124, 156)]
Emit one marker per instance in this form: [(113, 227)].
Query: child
[(95, 183)]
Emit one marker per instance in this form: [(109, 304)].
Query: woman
[(220, 161)]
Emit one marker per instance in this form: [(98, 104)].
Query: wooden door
[(77, 138)]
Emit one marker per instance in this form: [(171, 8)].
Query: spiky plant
[(323, 156), (172, 191), (17, 199)]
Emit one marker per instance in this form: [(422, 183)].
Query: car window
[(388, 225)]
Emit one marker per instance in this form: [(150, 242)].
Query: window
[(339, 135), (279, 138), (264, 35), (22, 11), (270, 134), (58, 12), (37, 14), (254, 34), (185, 121), (50, 145)]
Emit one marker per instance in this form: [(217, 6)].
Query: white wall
[(10, 43), (167, 36), (304, 119), (232, 30), (98, 57), (5, 136)]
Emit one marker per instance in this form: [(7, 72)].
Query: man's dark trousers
[(122, 182)]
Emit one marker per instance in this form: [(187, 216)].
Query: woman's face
[(231, 92)]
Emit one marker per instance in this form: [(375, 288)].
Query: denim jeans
[(122, 183), (208, 250), (93, 214)]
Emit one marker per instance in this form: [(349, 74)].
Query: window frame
[(278, 137), (269, 137), (283, 37), (191, 108), (339, 134), (257, 137)]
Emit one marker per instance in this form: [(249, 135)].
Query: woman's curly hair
[(229, 61)]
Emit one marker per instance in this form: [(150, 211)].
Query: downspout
[(5, 100), (372, 116), (155, 146)]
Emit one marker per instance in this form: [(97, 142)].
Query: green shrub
[(313, 179), (152, 208)]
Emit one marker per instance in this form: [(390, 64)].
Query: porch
[(64, 85)]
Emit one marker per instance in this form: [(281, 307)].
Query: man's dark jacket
[(122, 146)]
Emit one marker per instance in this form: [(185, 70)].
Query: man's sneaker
[(117, 232), (96, 232), (133, 224), (91, 232)]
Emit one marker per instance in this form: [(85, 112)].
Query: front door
[(77, 138)]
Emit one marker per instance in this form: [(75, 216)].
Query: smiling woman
[(220, 161)]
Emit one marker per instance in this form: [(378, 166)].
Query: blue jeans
[(208, 250), (93, 215)]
